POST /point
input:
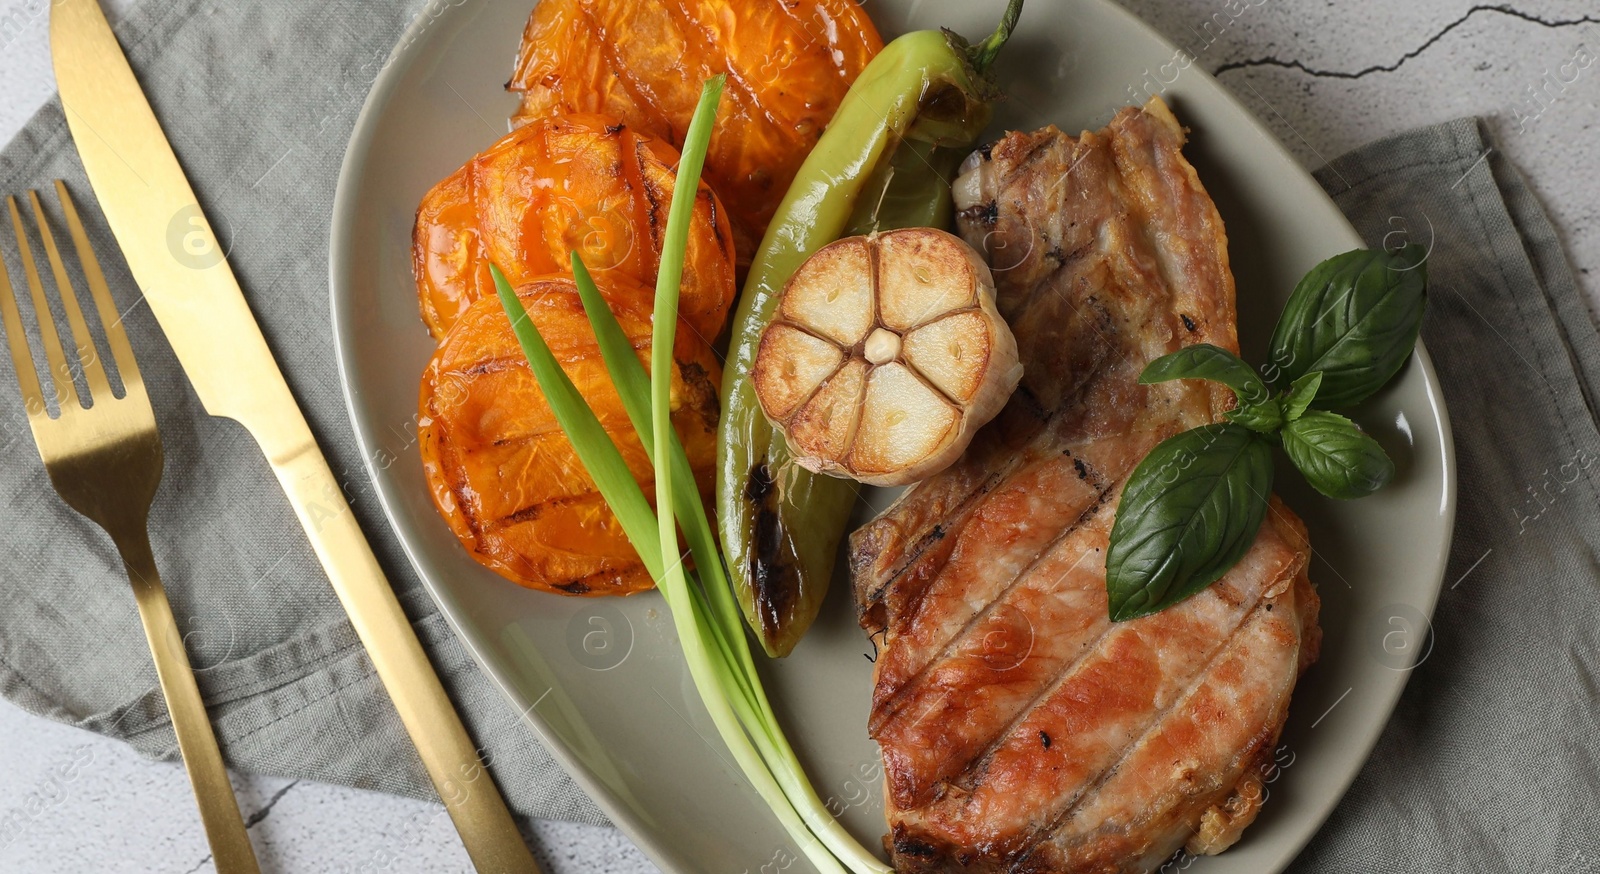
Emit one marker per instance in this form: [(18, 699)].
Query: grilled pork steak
[(1021, 730)]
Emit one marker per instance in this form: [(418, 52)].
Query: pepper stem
[(983, 54)]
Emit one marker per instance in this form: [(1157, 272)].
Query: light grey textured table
[(1326, 77)]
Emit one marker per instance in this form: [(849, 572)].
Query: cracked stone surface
[(91, 804), (1326, 76)]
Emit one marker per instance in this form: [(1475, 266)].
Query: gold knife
[(175, 258)]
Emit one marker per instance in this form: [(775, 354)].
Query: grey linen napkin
[(258, 100), (1492, 759), (1489, 764)]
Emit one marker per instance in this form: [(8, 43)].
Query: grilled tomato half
[(574, 183), (789, 65), (500, 470)]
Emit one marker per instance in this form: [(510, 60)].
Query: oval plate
[(602, 681)]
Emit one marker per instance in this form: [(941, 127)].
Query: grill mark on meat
[(923, 555), (1065, 261), (1088, 525), (956, 527), (1157, 720), (1219, 592), (991, 689), (1229, 671), (955, 522), (998, 515), (891, 707), (1104, 329), (1188, 620), (865, 546), (1043, 454), (1021, 163), (970, 775)]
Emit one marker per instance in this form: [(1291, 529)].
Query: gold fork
[(105, 460)]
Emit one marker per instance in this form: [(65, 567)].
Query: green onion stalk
[(707, 618)]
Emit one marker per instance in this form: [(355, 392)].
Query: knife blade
[(184, 276)]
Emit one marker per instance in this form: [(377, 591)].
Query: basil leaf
[(1301, 394), (1265, 417), (1337, 458), (1355, 317), (1189, 512), (1205, 361)]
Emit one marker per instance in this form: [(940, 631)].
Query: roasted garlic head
[(887, 354)]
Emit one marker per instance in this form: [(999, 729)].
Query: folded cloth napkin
[(1489, 764), (1492, 759)]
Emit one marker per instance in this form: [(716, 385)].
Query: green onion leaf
[(686, 189), (633, 387), (594, 447)]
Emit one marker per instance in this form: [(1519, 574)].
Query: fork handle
[(219, 810)]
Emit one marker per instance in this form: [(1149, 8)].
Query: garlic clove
[(922, 276), (824, 427), (882, 346), (831, 293), (903, 422), (953, 353), (800, 363)]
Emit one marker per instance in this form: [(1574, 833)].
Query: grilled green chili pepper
[(885, 161)]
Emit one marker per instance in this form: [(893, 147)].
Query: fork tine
[(110, 319), (94, 371), (60, 376), (21, 357)]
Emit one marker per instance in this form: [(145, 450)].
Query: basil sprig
[(1193, 506), (1205, 361), (1354, 318), (1189, 513), (1336, 457), (1300, 394)]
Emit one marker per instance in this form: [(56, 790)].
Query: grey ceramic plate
[(601, 680)]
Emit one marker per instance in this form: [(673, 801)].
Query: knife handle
[(448, 754)]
